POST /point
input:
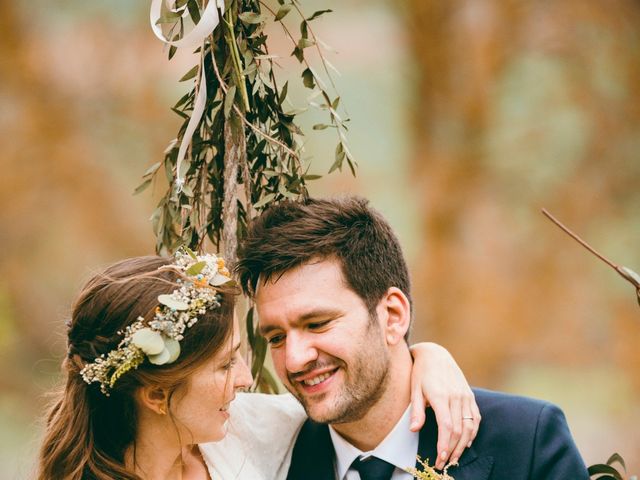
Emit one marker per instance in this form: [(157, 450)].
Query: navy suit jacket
[(519, 439)]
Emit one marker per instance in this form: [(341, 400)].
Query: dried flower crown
[(159, 339)]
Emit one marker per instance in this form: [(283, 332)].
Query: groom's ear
[(154, 398), (394, 311)]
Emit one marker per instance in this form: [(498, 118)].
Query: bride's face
[(200, 408)]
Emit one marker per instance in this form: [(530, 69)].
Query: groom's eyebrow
[(318, 313), (327, 313)]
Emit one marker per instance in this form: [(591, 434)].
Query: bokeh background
[(467, 117)]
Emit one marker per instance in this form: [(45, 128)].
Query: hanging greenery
[(239, 148)]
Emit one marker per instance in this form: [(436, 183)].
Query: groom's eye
[(276, 340), (318, 325)]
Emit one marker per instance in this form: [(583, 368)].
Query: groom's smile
[(327, 349), (315, 380)]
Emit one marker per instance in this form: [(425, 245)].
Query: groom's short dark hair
[(289, 234)]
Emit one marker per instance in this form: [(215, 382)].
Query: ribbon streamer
[(208, 22)]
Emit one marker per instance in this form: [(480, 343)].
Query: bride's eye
[(229, 365)]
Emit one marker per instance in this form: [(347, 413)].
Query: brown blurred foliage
[(521, 105), (63, 204)]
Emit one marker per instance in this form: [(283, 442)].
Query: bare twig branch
[(578, 239), (629, 275)]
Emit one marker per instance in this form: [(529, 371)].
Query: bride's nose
[(243, 379)]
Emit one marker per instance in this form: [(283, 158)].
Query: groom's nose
[(299, 352)]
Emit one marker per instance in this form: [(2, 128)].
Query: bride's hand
[(437, 381)]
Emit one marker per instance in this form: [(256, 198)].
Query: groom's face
[(327, 349)]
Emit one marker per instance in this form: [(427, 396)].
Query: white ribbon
[(207, 24)]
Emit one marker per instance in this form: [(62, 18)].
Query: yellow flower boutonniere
[(430, 473)]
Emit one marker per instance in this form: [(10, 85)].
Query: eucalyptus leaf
[(180, 113), (142, 187), (252, 18), (218, 279), (259, 353), (307, 78), (616, 457), (266, 199), (187, 190), (149, 341), (270, 380), (298, 53), (282, 11), (190, 74), (605, 469), (318, 13), (250, 327), (196, 268), (171, 302), (194, 10), (173, 347), (283, 93), (168, 17), (161, 358), (152, 169), (305, 43)]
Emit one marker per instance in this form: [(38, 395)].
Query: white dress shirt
[(399, 448)]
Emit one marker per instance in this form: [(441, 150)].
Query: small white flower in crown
[(159, 339)]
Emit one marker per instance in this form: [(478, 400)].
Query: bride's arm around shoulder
[(260, 437)]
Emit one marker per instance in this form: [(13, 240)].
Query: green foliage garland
[(246, 150)]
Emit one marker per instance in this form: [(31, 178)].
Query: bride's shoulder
[(281, 406), (260, 438)]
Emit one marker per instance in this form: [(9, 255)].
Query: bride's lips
[(225, 409)]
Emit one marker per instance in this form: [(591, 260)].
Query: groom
[(332, 292)]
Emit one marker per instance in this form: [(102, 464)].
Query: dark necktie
[(373, 468)]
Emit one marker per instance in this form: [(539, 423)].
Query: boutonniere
[(428, 472)]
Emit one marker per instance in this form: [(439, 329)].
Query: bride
[(153, 366)]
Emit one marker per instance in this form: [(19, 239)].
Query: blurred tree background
[(467, 116)]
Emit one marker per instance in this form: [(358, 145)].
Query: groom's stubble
[(366, 376)]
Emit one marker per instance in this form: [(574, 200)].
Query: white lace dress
[(261, 433)]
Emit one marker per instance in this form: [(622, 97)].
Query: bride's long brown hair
[(88, 433)]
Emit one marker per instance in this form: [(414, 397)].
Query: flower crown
[(159, 339)]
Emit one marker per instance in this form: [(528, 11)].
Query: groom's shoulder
[(502, 401), (520, 414), (525, 433)]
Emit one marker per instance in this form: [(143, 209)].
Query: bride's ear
[(154, 398)]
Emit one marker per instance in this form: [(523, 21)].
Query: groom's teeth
[(316, 380)]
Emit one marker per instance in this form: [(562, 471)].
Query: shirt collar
[(399, 447)]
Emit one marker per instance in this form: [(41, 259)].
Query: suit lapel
[(471, 466), (313, 454)]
